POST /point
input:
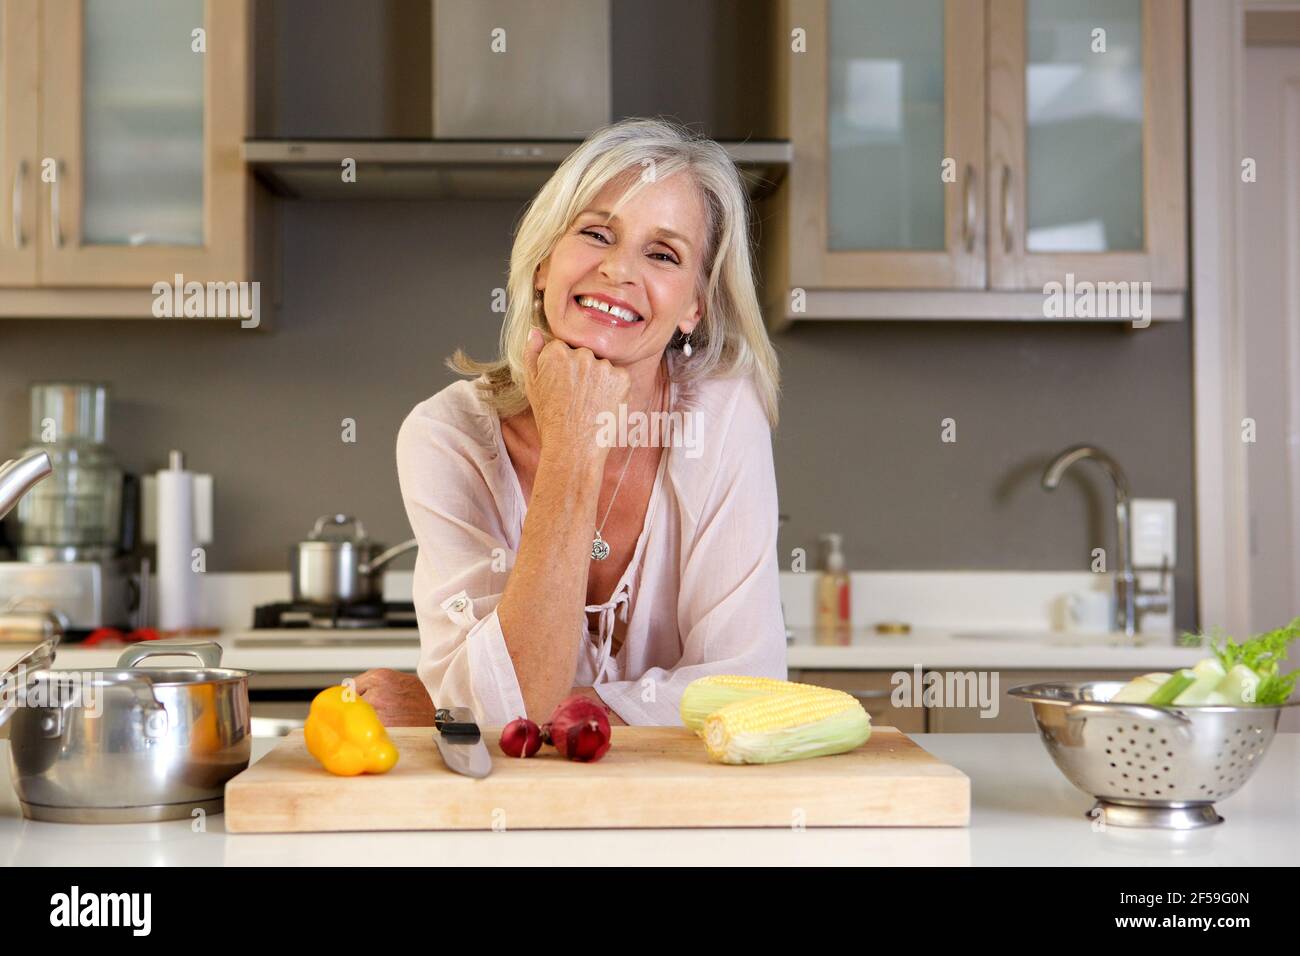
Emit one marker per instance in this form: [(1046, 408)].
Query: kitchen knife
[(460, 743)]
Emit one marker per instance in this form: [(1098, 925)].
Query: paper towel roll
[(178, 584)]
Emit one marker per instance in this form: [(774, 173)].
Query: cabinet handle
[(969, 210), (16, 203), (56, 227), (1008, 215), (870, 696)]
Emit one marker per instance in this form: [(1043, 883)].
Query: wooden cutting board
[(651, 777)]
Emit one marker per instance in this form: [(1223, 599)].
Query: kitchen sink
[(1059, 638)]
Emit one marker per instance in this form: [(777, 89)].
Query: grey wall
[(374, 296), (859, 445)]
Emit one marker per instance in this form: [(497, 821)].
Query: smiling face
[(623, 288)]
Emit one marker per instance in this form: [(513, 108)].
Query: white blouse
[(707, 553)]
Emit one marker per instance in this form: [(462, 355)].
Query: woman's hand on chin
[(569, 391), (399, 699)]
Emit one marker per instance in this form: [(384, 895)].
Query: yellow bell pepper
[(346, 735)]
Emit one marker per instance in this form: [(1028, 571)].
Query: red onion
[(579, 729), (521, 738)]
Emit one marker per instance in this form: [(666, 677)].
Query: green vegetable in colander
[(1238, 674), (1178, 682), (1209, 675), (1263, 655)]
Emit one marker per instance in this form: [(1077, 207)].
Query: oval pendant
[(599, 549)]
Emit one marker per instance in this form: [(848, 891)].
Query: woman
[(563, 548)]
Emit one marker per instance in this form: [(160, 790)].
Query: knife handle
[(456, 721)]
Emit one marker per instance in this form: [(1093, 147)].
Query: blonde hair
[(730, 339)]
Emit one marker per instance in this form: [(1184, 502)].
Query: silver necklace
[(599, 546)]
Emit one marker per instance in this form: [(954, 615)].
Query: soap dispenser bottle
[(833, 617)]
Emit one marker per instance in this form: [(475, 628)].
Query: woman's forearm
[(542, 609)]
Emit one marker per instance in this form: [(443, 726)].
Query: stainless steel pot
[(336, 565), (130, 744)]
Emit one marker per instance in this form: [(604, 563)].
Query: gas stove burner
[(349, 622), (360, 613), (283, 615)]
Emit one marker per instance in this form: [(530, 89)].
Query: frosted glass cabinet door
[(144, 116), (141, 123), (1083, 126), (1085, 139), (886, 117), (885, 125), (18, 142)]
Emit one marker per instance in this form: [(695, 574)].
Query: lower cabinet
[(940, 713), (875, 690), (1011, 715)]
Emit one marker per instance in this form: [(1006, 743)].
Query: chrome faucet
[(18, 476), (1131, 602)]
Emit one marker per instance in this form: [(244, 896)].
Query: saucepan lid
[(329, 528)]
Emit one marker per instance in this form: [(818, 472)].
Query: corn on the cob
[(705, 695), (788, 725)]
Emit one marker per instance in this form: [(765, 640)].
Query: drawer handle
[(866, 696)]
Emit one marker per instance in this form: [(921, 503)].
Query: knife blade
[(460, 742)]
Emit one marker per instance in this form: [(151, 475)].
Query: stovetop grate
[(298, 615)]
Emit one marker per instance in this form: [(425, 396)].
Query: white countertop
[(332, 652), (939, 605), (864, 649), (1023, 812)]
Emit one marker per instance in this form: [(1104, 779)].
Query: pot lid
[(333, 528)]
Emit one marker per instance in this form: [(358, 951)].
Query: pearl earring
[(686, 347)]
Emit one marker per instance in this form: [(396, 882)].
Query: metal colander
[(1149, 766)]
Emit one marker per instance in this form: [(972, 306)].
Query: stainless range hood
[(447, 169), (516, 86)]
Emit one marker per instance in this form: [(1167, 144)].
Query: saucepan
[(339, 564), (130, 744)]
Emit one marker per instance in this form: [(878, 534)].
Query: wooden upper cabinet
[(886, 117), (995, 145), (19, 172), (1087, 142), (140, 133)]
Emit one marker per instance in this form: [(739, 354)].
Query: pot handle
[(208, 652), (384, 557), (39, 657), (337, 521), (141, 688)]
